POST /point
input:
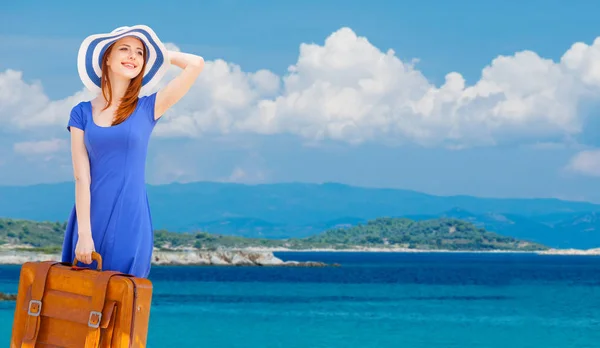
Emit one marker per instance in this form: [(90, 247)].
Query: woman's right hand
[(84, 248)]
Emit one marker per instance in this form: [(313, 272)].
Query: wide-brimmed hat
[(91, 51)]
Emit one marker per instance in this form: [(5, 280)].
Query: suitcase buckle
[(94, 319), (35, 308)]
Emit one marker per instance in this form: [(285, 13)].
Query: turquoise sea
[(373, 300)]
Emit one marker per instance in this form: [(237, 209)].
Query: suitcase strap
[(92, 339), (35, 304)]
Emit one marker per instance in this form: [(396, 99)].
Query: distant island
[(383, 233), (22, 240)]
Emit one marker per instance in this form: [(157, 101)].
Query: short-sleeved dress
[(119, 212)]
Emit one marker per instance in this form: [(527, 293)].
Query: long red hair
[(130, 99)]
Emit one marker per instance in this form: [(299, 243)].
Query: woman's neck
[(118, 87)]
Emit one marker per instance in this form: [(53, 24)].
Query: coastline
[(384, 250), (227, 257), (552, 251), (258, 256)]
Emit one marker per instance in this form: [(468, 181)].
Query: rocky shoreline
[(7, 297), (551, 251), (179, 257), (227, 258), (595, 251), (251, 256)]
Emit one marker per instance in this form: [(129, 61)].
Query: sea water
[(373, 300)]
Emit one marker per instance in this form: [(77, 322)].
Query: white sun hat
[(91, 51)]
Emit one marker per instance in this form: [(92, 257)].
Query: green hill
[(434, 234), (441, 233)]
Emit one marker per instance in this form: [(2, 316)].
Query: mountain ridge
[(282, 210)]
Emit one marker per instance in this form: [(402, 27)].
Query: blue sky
[(547, 148)]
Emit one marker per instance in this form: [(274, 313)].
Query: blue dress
[(119, 212)]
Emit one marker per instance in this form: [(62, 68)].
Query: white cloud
[(245, 176), (223, 96), (18, 99), (586, 162), (42, 147), (25, 105), (349, 90)]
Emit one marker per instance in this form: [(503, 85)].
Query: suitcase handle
[(95, 256)]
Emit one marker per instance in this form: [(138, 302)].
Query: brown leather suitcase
[(63, 305)]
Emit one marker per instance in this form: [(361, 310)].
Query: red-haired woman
[(109, 139)]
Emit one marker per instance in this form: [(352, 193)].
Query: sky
[(491, 99)]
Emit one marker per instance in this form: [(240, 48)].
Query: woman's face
[(127, 57)]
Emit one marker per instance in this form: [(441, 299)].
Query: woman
[(109, 139)]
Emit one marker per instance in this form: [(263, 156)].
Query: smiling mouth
[(128, 65)]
